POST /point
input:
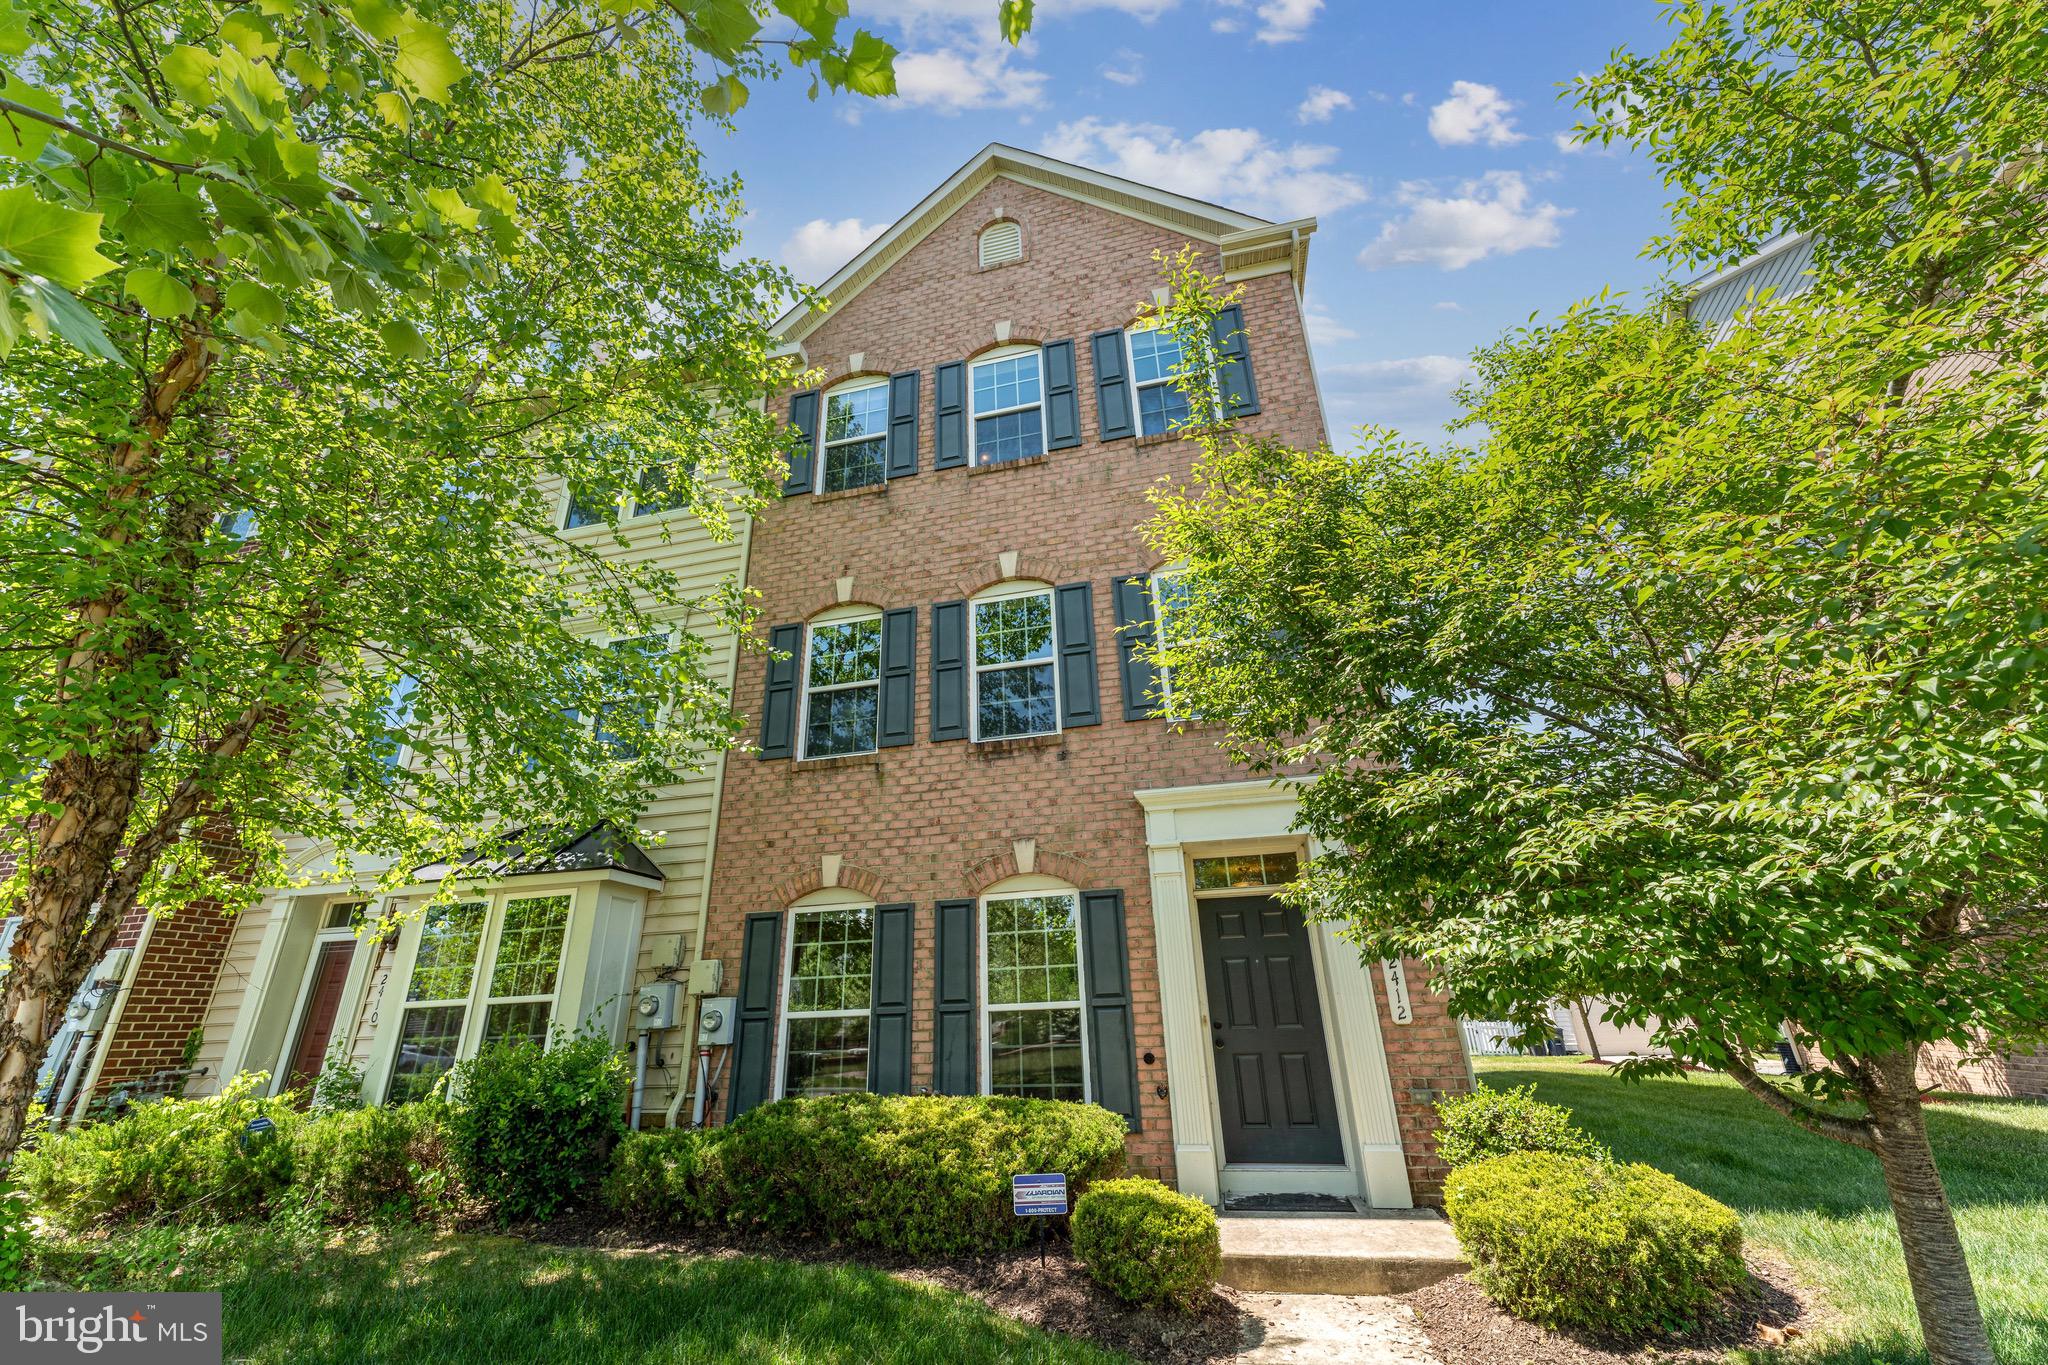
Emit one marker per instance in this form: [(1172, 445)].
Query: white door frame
[(1251, 817)]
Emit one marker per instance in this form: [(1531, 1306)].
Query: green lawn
[(495, 1301), (1821, 1205)]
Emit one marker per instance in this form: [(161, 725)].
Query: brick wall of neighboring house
[(1986, 1071), (936, 821)]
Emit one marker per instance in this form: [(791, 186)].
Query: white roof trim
[(1240, 233), (1783, 242)]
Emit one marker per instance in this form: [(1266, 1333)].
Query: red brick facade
[(935, 821)]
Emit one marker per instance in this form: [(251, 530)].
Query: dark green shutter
[(1112, 387), (753, 1044), (1073, 618), (904, 392), (897, 724), (803, 439), (778, 701), (949, 670), (889, 1008), (1135, 626), (1062, 402), (956, 1039), (1234, 382), (949, 393), (1106, 984)]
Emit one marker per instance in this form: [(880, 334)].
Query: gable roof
[(1250, 246)]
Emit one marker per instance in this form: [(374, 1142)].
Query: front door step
[(1295, 1253)]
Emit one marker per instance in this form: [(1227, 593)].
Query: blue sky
[(1428, 139)]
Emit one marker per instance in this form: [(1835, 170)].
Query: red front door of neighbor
[(323, 1002)]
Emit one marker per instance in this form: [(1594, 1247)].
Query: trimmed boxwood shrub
[(670, 1178), (191, 1160), (365, 1165), (926, 1175), (532, 1127), (1489, 1123), (1614, 1250), (1147, 1244)]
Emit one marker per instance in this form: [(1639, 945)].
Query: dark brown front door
[(323, 1002), (1266, 1030)]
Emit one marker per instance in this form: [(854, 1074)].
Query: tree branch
[(1855, 1132)]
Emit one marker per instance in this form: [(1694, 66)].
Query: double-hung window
[(826, 1002), (856, 437), (397, 716), (451, 1007), (1009, 406), (660, 488), (1016, 690), (842, 686), (1169, 596), (629, 714), (1156, 357), (1032, 957)]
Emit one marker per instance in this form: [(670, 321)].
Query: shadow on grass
[(490, 1301)]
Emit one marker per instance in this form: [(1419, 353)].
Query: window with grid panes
[(856, 438), (1156, 357), (437, 998), (1015, 690), (826, 1002), (1009, 414), (1032, 956), (842, 687), (528, 964)]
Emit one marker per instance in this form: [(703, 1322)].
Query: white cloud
[(949, 80), (1324, 327), (1321, 103), (821, 246), (1240, 167), (1279, 21), (1129, 70), (1473, 113), (1490, 216), (1448, 306), (1412, 393)]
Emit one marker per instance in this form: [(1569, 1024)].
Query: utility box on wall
[(715, 1019), (655, 1006)]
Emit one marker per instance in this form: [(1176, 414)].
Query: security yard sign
[(1038, 1195)]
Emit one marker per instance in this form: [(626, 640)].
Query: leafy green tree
[(308, 311), (1711, 680)]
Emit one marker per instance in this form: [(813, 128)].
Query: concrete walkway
[(1378, 1253), (1332, 1329)]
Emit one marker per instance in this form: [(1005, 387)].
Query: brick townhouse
[(968, 858)]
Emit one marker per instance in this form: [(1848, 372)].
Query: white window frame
[(476, 1001), (669, 636), (975, 667), (625, 501), (1152, 582), (1020, 888), (1137, 408), (344, 1026), (816, 904), (974, 414), (401, 758), (837, 617), (823, 446)]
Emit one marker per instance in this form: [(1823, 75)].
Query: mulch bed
[(1465, 1328), (1057, 1296)]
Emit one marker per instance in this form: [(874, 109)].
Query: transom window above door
[(1016, 688), (1008, 393), (856, 437), (1246, 870), (842, 686)]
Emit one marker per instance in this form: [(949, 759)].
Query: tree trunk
[(1950, 1319)]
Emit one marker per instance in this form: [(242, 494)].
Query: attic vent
[(1001, 242)]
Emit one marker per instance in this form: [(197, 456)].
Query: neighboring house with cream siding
[(566, 942)]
